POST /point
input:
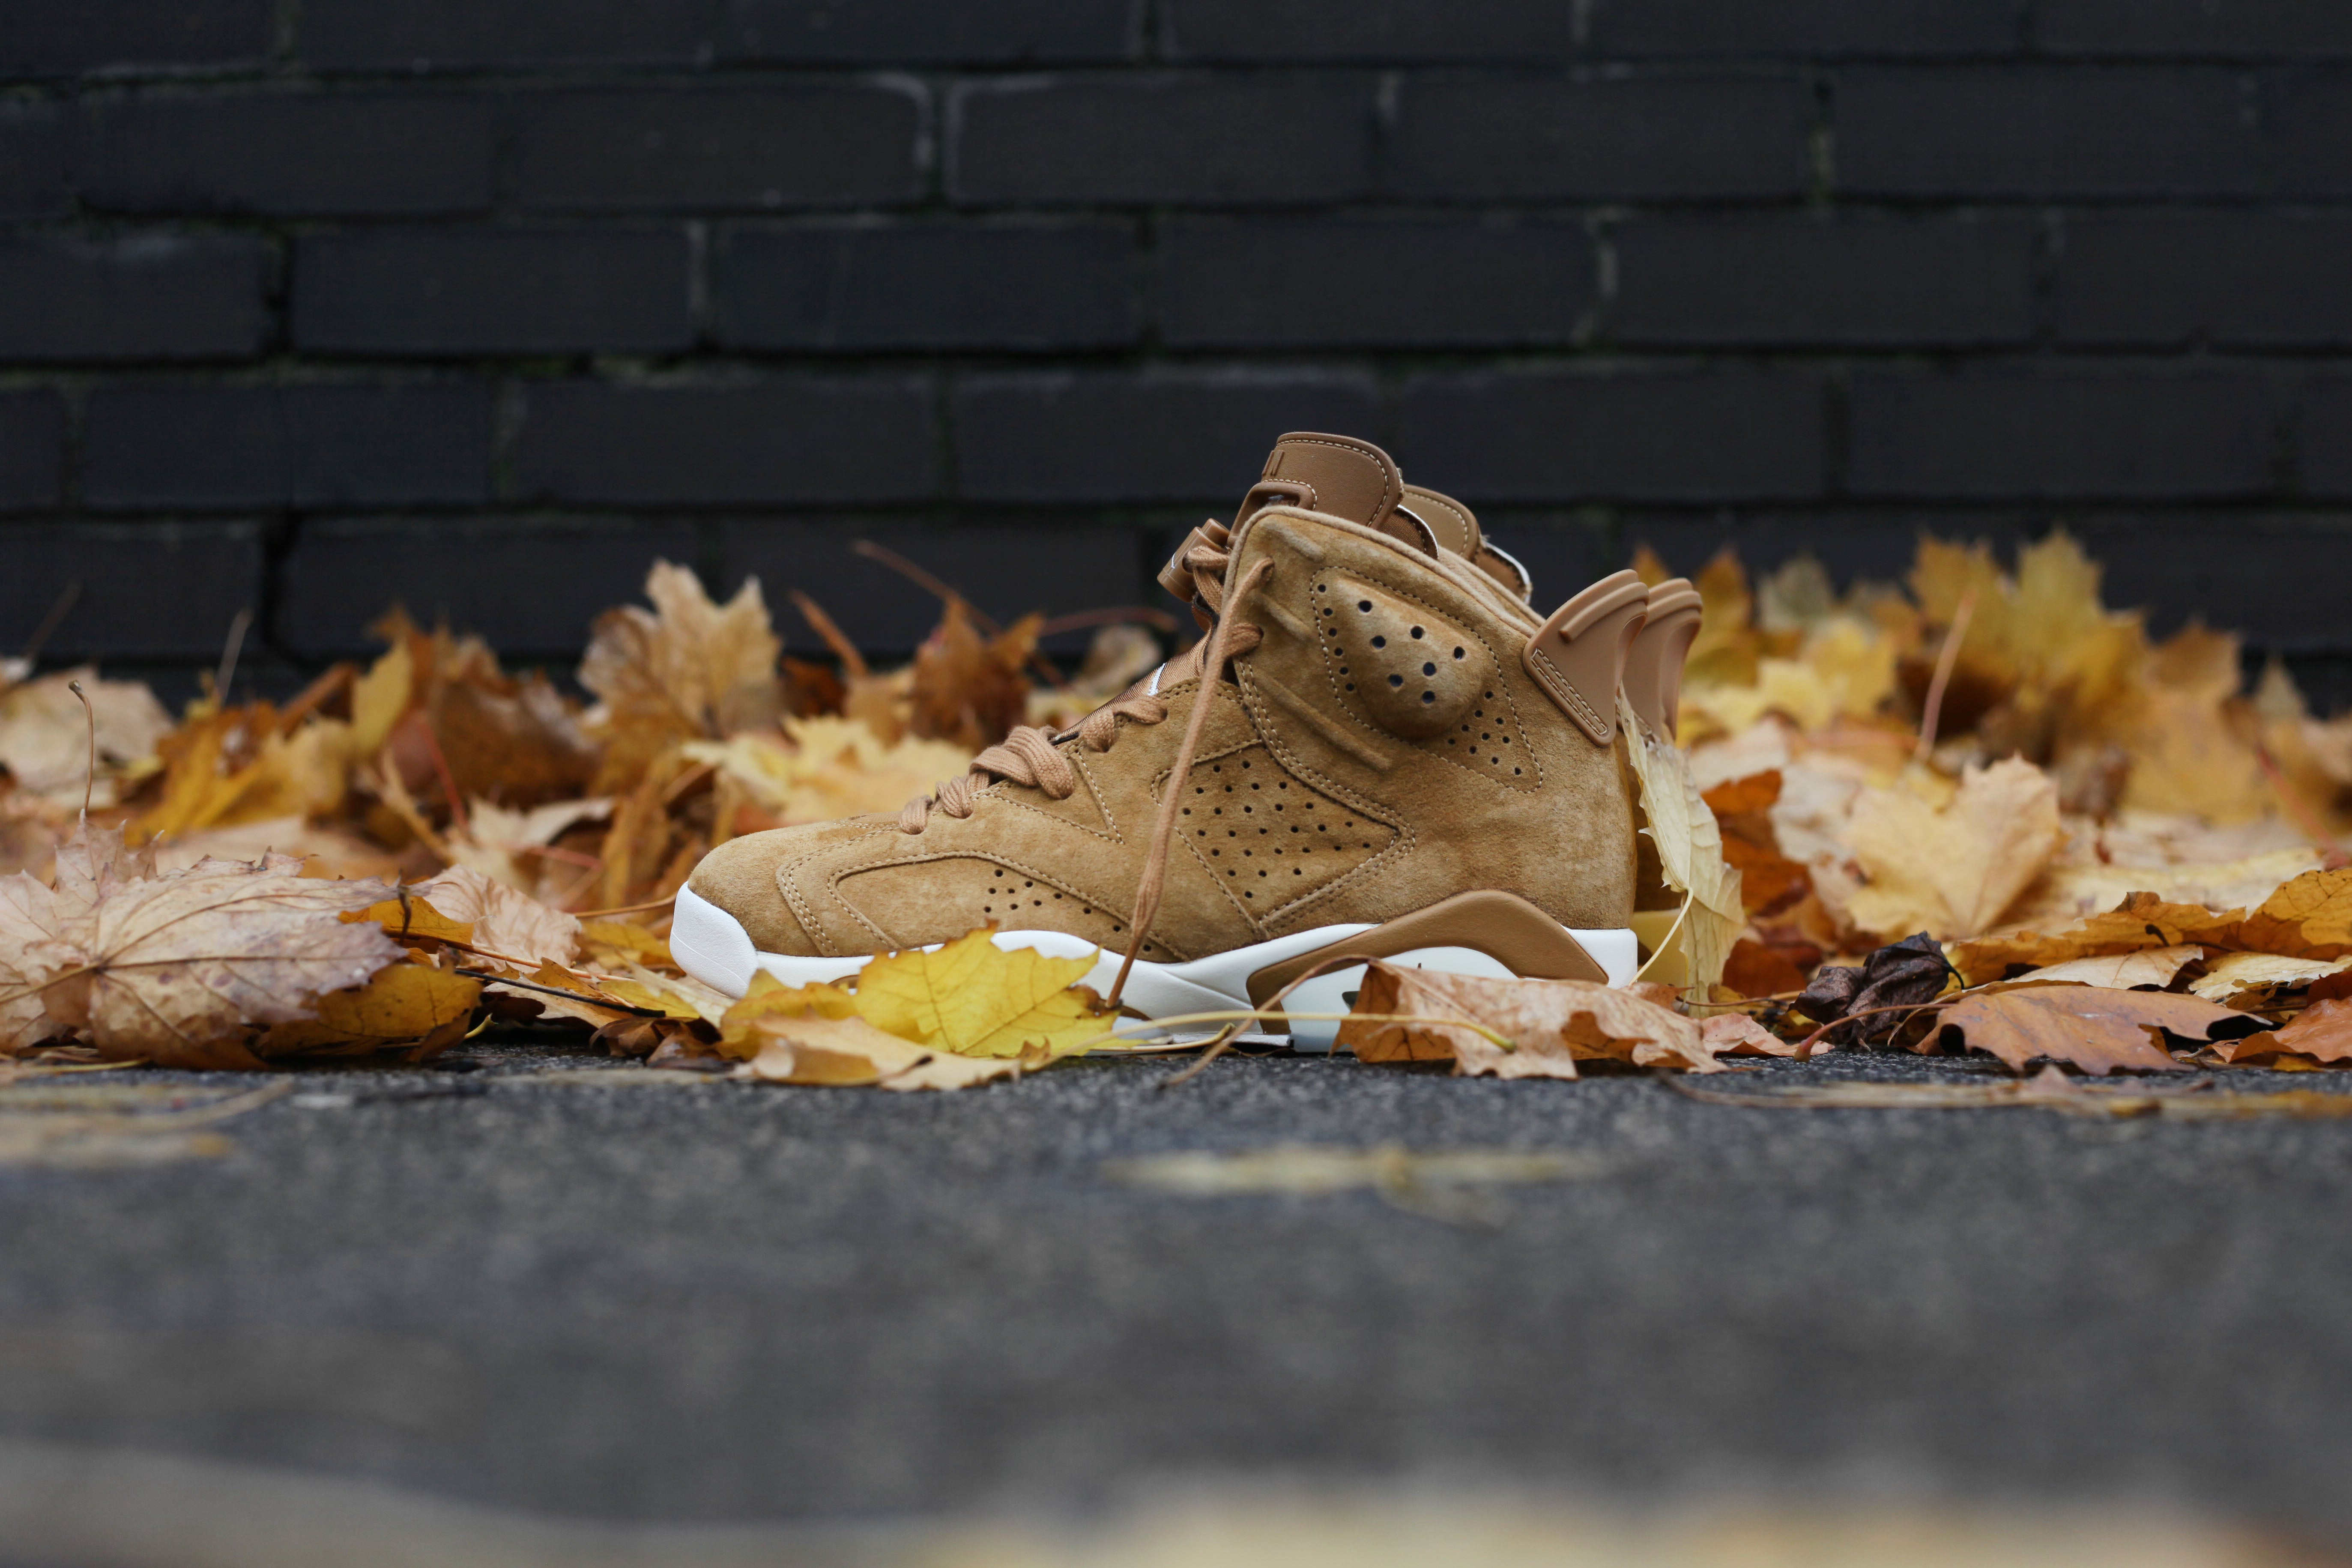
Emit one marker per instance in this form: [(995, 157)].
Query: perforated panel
[(962, 894), (1267, 836), (1405, 670)]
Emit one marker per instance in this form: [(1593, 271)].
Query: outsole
[(711, 946)]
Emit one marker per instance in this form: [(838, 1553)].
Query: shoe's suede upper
[(1380, 748)]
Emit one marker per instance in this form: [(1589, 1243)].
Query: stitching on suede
[(1295, 765), (1501, 684), (1391, 489), (1089, 900)]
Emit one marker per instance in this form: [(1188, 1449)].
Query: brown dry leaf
[(687, 669), (2232, 974), (971, 998), (1737, 1034), (30, 955), (970, 688), (2320, 1033), (2311, 917), (417, 1005), (1548, 1024), (1952, 870), (45, 733), (507, 922), (1690, 850), (2141, 920), (2151, 966), (2097, 1030), (178, 967)]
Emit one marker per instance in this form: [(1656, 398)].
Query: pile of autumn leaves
[(409, 851)]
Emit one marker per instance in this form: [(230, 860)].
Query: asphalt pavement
[(536, 1281)]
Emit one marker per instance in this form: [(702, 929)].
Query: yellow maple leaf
[(414, 917), (406, 1003), (970, 997)]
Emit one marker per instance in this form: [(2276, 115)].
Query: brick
[(32, 450), (303, 446), (1812, 27), (427, 35), (1478, 139), (1282, 283), (1004, 570), (420, 293), (929, 32), (798, 442), (2280, 581), (1161, 138), (2310, 125), (1544, 436), (149, 590), (1523, 31), (1118, 436), (2211, 28), (286, 153), (2270, 282), (47, 40), (2059, 435), (32, 161), (772, 147), (2324, 436), (1795, 280), (2117, 133), (1856, 544), (159, 297), (529, 586), (931, 286)]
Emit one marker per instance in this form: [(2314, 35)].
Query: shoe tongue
[(1334, 473)]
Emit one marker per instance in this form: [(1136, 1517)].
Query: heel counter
[(1578, 656), (1653, 666)]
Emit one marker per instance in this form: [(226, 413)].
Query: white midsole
[(711, 946)]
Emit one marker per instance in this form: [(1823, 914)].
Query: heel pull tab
[(1578, 656), (1654, 670)]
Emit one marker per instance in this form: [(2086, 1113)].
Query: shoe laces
[(1033, 756)]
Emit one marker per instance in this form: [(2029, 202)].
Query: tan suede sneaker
[(1378, 750)]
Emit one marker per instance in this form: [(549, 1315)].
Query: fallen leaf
[(687, 669), (2311, 917), (412, 916), (507, 922), (1737, 1034), (974, 999), (2150, 966), (1690, 850), (969, 689), (2320, 1033), (1952, 870), (2230, 974), (30, 954), (2097, 1030), (413, 1005), (806, 1035), (178, 967), (1903, 974), (1428, 1014), (2141, 920), (44, 732)]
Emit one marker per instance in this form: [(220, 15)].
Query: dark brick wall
[(480, 304)]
